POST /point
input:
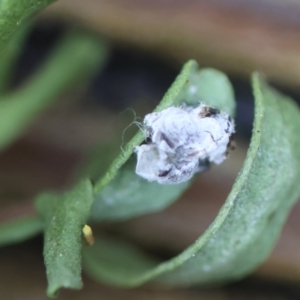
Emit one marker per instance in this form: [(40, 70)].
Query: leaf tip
[(54, 287)]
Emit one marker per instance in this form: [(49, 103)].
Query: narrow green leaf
[(10, 55), (248, 224), (130, 195), (65, 216), (75, 58), (13, 14), (121, 194), (20, 230), (209, 86)]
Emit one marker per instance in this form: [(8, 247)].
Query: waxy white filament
[(181, 141)]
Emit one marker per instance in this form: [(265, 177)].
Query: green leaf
[(65, 216), (121, 194), (13, 14), (130, 195), (74, 59), (248, 224), (209, 86), (9, 57), (19, 230)]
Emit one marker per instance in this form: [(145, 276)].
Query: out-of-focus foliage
[(248, 224), (74, 60)]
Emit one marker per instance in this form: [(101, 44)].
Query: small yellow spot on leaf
[(88, 234)]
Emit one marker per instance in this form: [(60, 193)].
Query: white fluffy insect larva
[(181, 141)]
